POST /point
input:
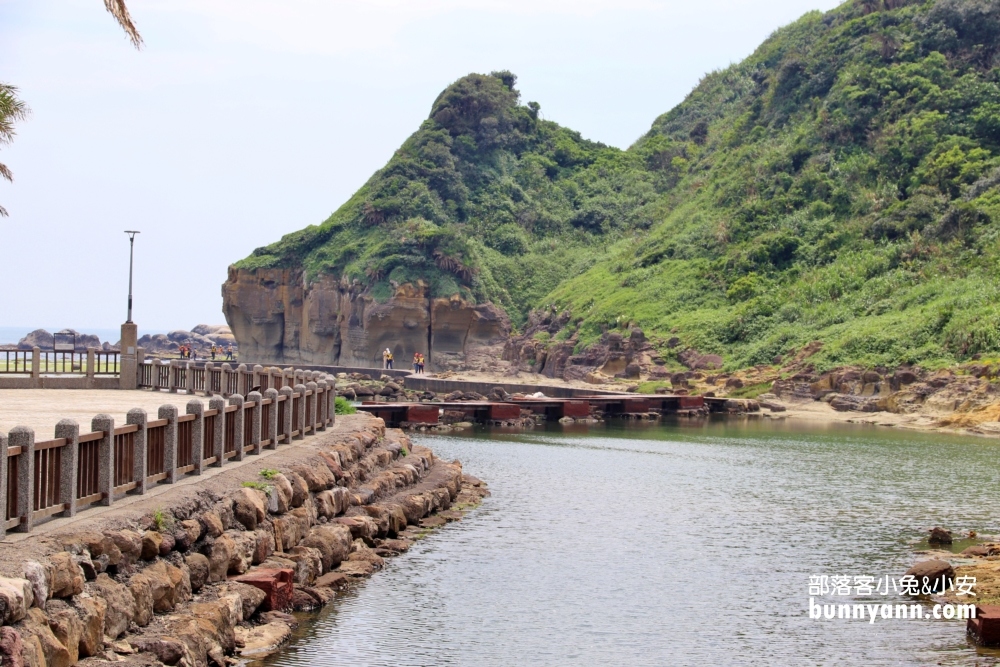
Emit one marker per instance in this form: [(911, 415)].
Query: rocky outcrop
[(200, 339), (277, 316), (44, 340)]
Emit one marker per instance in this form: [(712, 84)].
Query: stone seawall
[(199, 579)]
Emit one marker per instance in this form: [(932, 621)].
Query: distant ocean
[(11, 335)]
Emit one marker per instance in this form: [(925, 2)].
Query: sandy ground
[(41, 409)]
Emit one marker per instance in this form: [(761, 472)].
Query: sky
[(240, 121)]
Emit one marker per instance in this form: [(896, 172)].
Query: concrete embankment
[(204, 576)]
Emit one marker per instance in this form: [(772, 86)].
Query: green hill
[(841, 184)]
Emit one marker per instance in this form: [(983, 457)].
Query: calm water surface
[(671, 544)]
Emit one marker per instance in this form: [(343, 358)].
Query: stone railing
[(37, 369), (40, 479), (209, 379)]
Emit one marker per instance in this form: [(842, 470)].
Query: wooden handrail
[(128, 428), (90, 437), (157, 423), (50, 444)]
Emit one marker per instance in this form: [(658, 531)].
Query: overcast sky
[(242, 120)]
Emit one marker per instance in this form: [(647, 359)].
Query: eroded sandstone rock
[(277, 316)]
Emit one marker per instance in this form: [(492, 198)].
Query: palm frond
[(12, 110), (120, 12), (5, 173)]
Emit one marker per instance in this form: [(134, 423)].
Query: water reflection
[(685, 543)]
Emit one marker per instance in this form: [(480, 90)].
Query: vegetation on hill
[(841, 184), (486, 199)]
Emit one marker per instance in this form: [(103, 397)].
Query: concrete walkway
[(41, 409)]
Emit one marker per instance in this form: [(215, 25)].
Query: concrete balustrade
[(75, 471)]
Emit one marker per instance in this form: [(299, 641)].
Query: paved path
[(41, 409)]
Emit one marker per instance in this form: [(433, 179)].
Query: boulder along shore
[(196, 578)]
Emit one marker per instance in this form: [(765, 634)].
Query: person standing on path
[(416, 362), (385, 358), (229, 353), (388, 358)]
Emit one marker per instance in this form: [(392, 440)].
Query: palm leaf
[(120, 12)]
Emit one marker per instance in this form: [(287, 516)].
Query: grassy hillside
[(485, 199), (840, 184)]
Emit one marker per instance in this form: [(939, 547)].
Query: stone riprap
[(193, 583)]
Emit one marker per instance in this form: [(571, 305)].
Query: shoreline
[(195, 576), (818, 412)]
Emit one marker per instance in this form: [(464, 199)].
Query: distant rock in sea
[(201, 338), (43, 340)]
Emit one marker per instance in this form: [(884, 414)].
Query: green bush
[(343, 407)]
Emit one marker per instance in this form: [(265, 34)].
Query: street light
[(131, 247)]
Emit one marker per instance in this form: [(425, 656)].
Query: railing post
[(3, 485), (258, 370), (300, 414), (313, 404), (219, 404), (138, 416), (70, 461), (24, 437), (36, 362), (209, 367), (243, 385), (271, 394), (197, 408), (227, 370), (157, 365), (189, 378), (288, 377), (255, 415), (238, 401), (289, 419), (169, 412), (173, 375), (91, 358), (321, 405), (105, 457)]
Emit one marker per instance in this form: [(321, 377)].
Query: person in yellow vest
[(388, 358)]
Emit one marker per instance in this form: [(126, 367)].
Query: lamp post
[(131, 248)]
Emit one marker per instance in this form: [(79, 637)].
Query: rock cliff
[(279, 317)]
